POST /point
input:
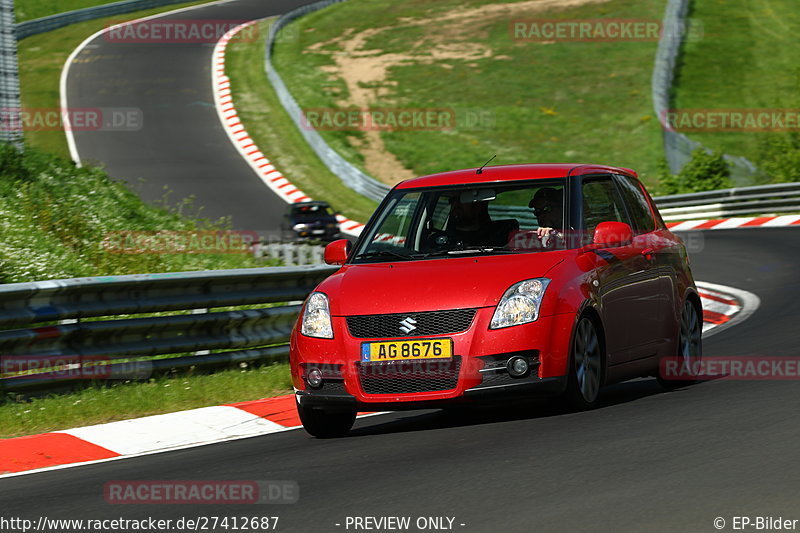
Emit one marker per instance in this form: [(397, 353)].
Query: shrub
[(705, 172), (779, 158)]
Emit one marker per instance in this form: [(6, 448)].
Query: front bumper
[(480, 354), (481, 394)]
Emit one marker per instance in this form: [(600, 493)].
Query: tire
[(586, 370), (325, 424), (689, 345)]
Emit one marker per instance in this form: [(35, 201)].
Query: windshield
[(521, 217)]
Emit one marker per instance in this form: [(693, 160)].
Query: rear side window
[(637, 204), (601, 203)]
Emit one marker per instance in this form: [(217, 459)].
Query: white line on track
[(73, 148)]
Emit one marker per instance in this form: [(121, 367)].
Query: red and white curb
[(238, 135), (723, 306), (142, 436), (739, 222)]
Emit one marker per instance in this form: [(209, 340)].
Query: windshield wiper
[(480, 250), (465, 250), (383, 253)]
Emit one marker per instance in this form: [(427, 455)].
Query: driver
[(548, 206)]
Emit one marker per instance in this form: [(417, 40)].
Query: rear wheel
[(325, 424), (690, 346), (586, 366)]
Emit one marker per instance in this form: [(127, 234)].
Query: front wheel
[(586, 366), (690, 347), (325, 424)]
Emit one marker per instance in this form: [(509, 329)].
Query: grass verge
[(41, 59), (275, 133), (34, 9), (56, 219), (99, 404), (545, 101), (747, 59)]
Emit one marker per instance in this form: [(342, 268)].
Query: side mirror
[(612, 234), (336, 252)]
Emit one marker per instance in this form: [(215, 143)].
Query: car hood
[(451, 283)]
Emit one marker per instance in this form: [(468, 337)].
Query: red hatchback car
[(503, 280)]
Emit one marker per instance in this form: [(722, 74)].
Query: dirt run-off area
[(454, 35)]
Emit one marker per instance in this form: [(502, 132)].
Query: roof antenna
[(480, 170)]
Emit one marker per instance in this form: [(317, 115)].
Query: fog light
[(517, 366), (314, 377)]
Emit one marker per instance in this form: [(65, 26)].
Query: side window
[(637, 204), (601, 203)]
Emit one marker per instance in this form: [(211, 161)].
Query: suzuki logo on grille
[(408, 324)]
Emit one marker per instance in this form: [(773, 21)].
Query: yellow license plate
[(372, 352)]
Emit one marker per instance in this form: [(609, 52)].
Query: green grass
[(54, 219), (275, 133), (748, 58), (565, 101), (99, 404), (34, 9), (42, 57)]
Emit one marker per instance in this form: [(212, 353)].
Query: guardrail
[(678, 148), (59, 20), (94, 327), (761, 199), (351, 176)]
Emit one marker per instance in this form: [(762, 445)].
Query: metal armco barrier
[(678, 148), (351, 176), (251, 335), (775, 198), (54, 22)]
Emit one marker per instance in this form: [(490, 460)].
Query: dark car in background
[(311, 221)]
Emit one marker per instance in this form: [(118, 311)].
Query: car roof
[(510, 173)]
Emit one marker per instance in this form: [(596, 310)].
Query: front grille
[(409, 376), (423, 324)]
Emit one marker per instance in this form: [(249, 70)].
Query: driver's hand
[(543, 232)]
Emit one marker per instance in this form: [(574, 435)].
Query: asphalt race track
[(181, 144), (646, 460)]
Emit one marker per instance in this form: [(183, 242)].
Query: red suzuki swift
[(503, 280)]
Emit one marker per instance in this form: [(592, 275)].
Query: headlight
[(300, 227), (520, 304), (317, 317)]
